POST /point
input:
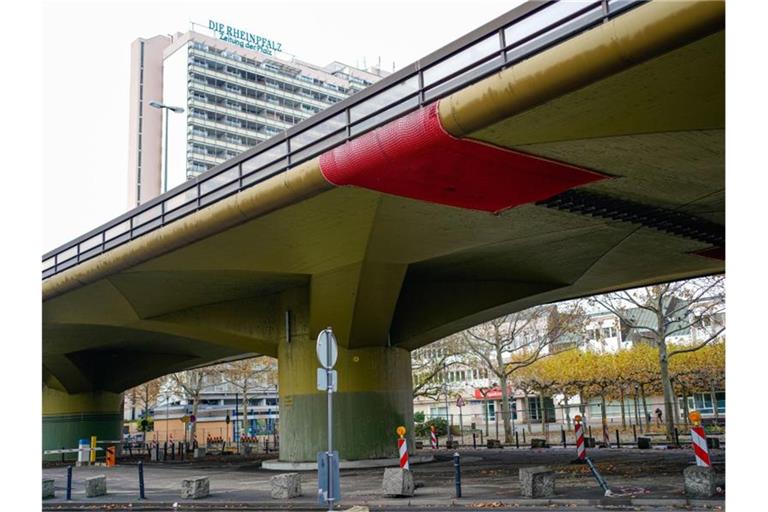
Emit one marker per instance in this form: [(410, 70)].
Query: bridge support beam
[(374, 397), (69, 417)]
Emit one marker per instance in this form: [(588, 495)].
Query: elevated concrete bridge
[(562, 150)]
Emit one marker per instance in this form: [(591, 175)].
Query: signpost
[(328, 488)]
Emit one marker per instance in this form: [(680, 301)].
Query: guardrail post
[(618, 441), (517, 439), (457, 467), (562, 436), (62, 453), (634, 432), (69, 482), (141, 481), (474, 440)]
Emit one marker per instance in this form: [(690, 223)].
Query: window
[(535, 411), (702, 402), (437, 412), (491, 411)]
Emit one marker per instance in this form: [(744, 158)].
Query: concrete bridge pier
[(70, 417), (374, 397)]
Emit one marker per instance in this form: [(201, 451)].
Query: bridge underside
[(391, 273)]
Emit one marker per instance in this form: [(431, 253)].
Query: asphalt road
[(646, 478)]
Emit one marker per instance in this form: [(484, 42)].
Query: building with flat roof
[(236, 91)]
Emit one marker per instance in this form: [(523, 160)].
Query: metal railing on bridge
[(517, 35)]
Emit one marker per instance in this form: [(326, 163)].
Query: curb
[(461, 504)]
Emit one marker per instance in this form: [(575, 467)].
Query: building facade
[(219, 413), (233, 97)]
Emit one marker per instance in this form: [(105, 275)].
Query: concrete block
[(48, 489), (643, 443), (452, 445), (285, 485), (538, 443), (195, 487), (493, 443), (397, 482), (199, 453), (358, 508), (537, 482), (95, 486), (419, 445), (700, 482)]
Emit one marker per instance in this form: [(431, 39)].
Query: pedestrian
[(658, 417)]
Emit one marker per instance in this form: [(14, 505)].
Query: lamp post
[(177, 110)]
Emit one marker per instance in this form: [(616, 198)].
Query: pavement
[(642, 480)]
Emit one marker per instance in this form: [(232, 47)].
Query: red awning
[(493, 394)]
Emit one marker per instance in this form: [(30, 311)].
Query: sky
[(86, 60)]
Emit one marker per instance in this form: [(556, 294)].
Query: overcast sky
[(86, 50)]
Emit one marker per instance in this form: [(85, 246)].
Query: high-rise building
[(235, 93)]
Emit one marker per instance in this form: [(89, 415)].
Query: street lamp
[(176, 110)]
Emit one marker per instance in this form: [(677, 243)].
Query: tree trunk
[(666, 383), (486, 417), (244, 430), (647, 418), (543, 415), (685, 407), (528, 408), (193, 424), (713, 397), (604, 417), (505, 416), (623, 414)]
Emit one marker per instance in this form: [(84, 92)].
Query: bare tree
[(515, 341), (428, 365), (190, 385), (663, 311), (250, 376), (145, 395)]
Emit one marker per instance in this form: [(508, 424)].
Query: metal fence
[(519, 34), (558, 424)]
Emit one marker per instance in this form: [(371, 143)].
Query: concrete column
[(374, 397), (69, 417)]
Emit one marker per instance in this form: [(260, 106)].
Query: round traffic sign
[(327, 349), (185, 419), (192, 418)]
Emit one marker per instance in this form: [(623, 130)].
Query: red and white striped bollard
[(699, 440), (433, 437), (581, 451), (402, 447)]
